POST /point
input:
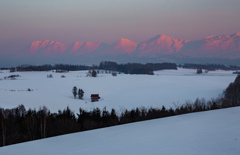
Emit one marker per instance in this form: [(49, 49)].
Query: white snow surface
[(167, 87), (205, 133)]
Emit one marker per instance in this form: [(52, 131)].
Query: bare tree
[(3, 116), (30, 124), (43, 113)]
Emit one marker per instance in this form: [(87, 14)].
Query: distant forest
[(129, 68), (210, 67), (21, 125), (136, 68)]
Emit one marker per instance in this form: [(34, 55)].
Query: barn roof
[(94, 95)]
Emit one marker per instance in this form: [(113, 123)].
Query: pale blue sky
[(24, 21)]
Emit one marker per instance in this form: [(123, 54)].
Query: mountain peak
[(77, 43), (161, 44), (209, 37), (46, 41), (124, 41), (91, 43), (125, 45), (237, 34), (162, 36), (89, 46), (159, 38)]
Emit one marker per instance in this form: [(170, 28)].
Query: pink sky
[(25, 21)]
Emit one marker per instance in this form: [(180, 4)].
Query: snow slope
[(204, 133), (121, 92)]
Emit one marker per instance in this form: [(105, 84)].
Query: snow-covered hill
[(204, 133)]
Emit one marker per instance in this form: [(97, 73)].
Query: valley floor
[(170, 88)]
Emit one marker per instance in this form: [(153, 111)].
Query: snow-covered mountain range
[(211, 49), (224, 46)]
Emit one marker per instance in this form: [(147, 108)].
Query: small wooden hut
[(95, 97)]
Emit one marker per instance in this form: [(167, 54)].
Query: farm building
[(95, 97)]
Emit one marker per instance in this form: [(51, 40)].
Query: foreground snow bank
[(203, 133)]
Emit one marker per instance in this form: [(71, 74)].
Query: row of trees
[(20, 125), (129, 68), (210, 67), (51, 67), (136, 68)]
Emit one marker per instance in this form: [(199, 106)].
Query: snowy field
[(204, 133), (167, 87)]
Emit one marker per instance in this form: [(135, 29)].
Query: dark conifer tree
[(94, 73), (232, 93), (80, 93), (199, 71), (74, 91)]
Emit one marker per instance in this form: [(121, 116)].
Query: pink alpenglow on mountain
[(124, 46), (34, 47), (79, 48), (161, 44), (223, 46), (76, 46), (89, 46), (46, 47)]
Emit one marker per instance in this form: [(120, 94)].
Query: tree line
[(232, 93), (136, 68), (129, 68), (210, 67), (21, 125), (48, 67)]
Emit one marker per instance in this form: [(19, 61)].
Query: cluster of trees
[(232, 93), (51, 67), (21, 125), (77, 92), (210, 67), (49, 76), (136, 68), (199, 71), (92, 73), (162, 66), (13, 77)]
